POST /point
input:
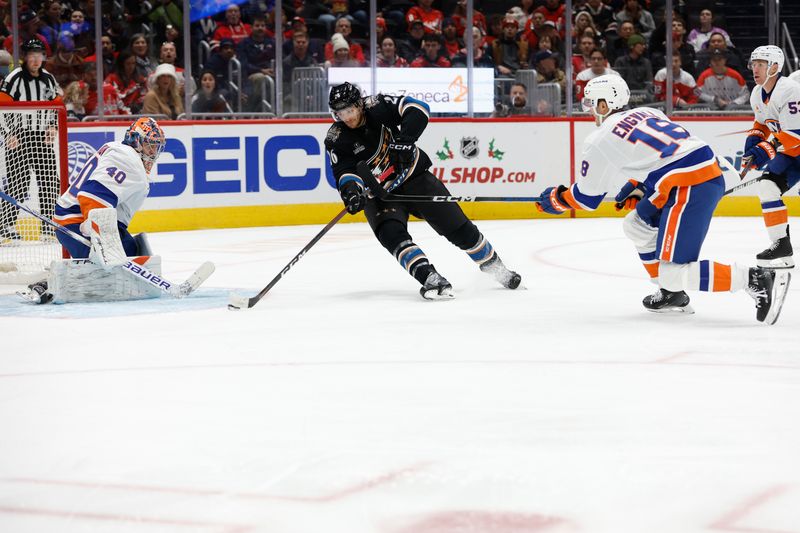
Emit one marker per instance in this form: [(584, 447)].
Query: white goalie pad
[(81, 280), (107, 250)]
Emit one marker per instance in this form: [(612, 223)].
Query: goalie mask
[(608, 87), (146, 137)]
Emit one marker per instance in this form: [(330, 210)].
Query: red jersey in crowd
[(431, 19), (683, 88), (237, 33)]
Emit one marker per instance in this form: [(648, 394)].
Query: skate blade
[(779, 288), (781, 263), (673, 310), (434, 295), (29, 296)]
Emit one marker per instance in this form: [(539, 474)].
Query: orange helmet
[(146, 137)]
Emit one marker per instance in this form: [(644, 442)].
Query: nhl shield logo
[(469, 147)]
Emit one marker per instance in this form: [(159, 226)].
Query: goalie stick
[(134, 269), (237, 302), (385, 195)]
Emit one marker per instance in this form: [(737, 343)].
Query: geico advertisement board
[(445, 90), (726, 138), (228, 165)]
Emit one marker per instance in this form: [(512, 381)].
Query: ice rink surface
[(344, 403)]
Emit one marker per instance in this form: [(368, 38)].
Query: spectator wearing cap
[(683, 84), (233, 28), (65, 65), (411, 47), (163, 98), (218, 63), (28, 29), (549, 31), (698, 37), (721, 85), (553, 11), (431, 18), (601, 13), (598, 66), (169, 55), (341, 53), (634, 68), (432, 53), (344, 28), (510, 53), (481, 57), (387, 57), (257, 56), (641, 18), (128, 82), (717, 42), (546, 64), (298, 24), (451, 43), (617, 43), (145, 64), (459, 16)]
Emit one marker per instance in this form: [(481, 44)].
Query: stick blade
[(237, 302), (196, 279)]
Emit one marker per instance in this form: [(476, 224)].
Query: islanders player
[(673, 180), (776, 103), (102, 200)]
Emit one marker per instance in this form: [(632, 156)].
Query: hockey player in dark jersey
[(381, 131)]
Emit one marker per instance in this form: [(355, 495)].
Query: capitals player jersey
[(644, 145), (387, 119), (778, 113), (113, 177)]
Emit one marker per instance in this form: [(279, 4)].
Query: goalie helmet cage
[(34, 170)]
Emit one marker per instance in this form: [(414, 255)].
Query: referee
[(29, 138)]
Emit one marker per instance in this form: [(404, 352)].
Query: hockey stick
[(237, 302), (386, 195), (134, 269)]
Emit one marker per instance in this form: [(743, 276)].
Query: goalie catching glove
[(629, 195), (101, 228)]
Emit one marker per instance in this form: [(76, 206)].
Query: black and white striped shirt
[(21, 86)]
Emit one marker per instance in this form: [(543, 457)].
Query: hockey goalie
[(99, 205)]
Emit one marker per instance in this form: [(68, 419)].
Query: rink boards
[(255, 173)]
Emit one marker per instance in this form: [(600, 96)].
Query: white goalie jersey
[(113, 177)]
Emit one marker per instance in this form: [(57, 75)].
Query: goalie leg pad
[(81, 280), (106, 249)]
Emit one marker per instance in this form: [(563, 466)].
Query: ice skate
[(664, 301), (778, 255), (768, 288), (436, 287), (507, 278), (36, 293)]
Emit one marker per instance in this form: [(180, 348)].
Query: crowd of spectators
[(142, 56)]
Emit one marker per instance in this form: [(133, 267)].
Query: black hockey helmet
[(343, 96), (33, 45)]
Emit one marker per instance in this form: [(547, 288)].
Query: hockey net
[(33, 170)]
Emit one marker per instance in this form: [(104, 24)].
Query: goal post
[(33, 170)]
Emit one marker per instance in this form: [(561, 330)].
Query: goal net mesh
[(31, 172)]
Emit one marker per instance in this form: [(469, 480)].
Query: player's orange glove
[(629, 195)]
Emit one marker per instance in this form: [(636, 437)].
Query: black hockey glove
[(352, 194), (401, 155)]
